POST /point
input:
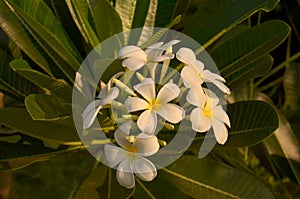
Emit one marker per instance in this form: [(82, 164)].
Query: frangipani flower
[(154, 105), (130, 158), (106, 95), (208, 113), (193, 73), (136, 58)]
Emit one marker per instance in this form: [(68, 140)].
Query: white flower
[(136, 58), (105, 96), (208, 114), (193, 73), (154, 105), (130, 158)]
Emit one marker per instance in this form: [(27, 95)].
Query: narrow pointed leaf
[(20, 120), (16, 31), (47, 108), (40, 19), (52, 86), (13, 84), (106, 28)]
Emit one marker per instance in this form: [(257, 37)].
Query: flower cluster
[(151, 103)]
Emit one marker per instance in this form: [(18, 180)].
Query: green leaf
[(202, 178), (215, 17), (47, 108), (106, 28), (56, 87), (126, 10), (19, 150), (255, 68), (14, 29), (40, 19), (291, 85), (235, 53), (12, 83), (283, 146), (20, 120), (88, 188), (80, 11), (251, 123), (112, 189), (165, 12), (141, 11), (158, 188)]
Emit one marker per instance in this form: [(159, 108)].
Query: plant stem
[(277, 68)]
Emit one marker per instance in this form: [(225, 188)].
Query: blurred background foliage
[(255, 44)]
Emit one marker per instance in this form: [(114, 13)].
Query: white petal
[(143, 169), (132, 51), (221, 115), (190, 77), (146, 145), (147, 122), (186, 56), (125, 127), (196, 96), (156, 45), (133, 63), (200, 122), (167, 93), (171, 112), (114, 155), (90, 113), (212, 76), (136, 104), (113, 93), (163, 57), (125, 175), (170, 43), (147, 89), (220, 131), (103, 93), (120, 137), (199, 66)]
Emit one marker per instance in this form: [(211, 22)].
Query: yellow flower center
[(154, 105), (207, 109)]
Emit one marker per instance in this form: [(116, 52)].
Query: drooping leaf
[(126, 10), (20, 120), (40, 18), (106, 19), (291, 84), (215, 17), (81, 13), (251, 123), (12, 83), (16, 31), (47, 108), (158, 188), (52, 86), (25, 150), (283, 146), (112, 189), (235, 53), (209, 178), (88, 188)]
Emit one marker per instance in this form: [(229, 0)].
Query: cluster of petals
[(130, 159), (194, 74), (153, 105), (135, 57), (105, 96), (208, 113)]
